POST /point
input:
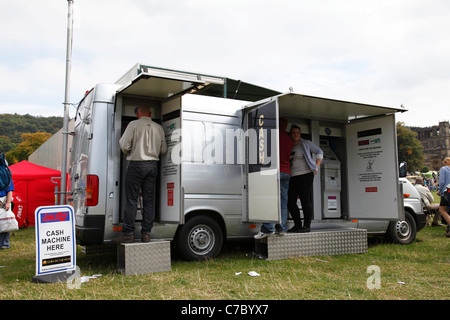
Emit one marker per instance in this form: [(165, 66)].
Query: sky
[(389, 53)]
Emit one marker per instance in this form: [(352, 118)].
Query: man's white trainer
[(262, 235)]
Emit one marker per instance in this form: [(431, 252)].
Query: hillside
[(12, 126)]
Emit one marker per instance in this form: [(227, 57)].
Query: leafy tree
[(14, 125), (409, 147), (6, 144), (12, 130), (30, 142)]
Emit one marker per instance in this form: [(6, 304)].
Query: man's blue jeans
[(284, 188)]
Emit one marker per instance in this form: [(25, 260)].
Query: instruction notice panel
[(372, 167), (55, 239)]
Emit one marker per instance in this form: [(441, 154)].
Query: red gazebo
[(32, 188)]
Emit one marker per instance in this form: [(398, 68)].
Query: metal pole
[(66, 103)]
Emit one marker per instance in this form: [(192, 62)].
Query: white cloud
[(46, 110), (382, 52)]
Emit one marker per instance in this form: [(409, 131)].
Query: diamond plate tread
[(140, 258), (315, 243)]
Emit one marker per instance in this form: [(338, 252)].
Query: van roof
[(164, 83), (310, 107), (239, 90), (324, 108)]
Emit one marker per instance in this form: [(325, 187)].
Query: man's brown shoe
[(145, 237), (124, 238)]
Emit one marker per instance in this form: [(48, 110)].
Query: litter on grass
[(251, 273), (87, 278)]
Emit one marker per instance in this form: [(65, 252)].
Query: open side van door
[(261, 168), (373, 186)]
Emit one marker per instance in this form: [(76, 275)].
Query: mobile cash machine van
[(220, 175)]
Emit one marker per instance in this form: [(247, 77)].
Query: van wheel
[(403, 232), (200, 238)]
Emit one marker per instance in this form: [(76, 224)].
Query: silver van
[(220, 177)]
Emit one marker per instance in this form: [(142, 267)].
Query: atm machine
[(330, 182)]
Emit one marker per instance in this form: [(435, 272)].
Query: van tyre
[(403, 232), (200, 238)]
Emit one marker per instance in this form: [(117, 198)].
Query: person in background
[(427, 199), (303, 170), (6, 203), (444, 192), (424, 192)]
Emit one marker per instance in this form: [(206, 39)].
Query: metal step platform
[(318, 242), (143, 257)]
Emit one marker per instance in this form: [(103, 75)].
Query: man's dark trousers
[(141, 175)]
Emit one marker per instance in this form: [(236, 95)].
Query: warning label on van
[(370, 154), (370, 176), (170, 187)]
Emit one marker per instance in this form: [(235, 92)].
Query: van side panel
[(79, 161), (92, 157), (89, 157), (212, 166)]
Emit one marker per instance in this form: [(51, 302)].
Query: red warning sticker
[(170, 187), (170, 198)]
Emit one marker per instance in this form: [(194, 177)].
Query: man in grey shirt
[(143, 141)]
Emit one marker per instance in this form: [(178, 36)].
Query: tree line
[(21, 135)]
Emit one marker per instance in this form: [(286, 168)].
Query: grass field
[(418, 271)]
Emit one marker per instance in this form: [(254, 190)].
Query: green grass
[(422, 267)]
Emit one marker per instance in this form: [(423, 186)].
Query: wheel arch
[(205, 212), (392, 232), (182, 244)]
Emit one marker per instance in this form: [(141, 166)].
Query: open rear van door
[(171, 191), (261, 178), (372, 164)]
